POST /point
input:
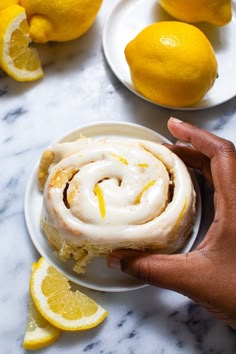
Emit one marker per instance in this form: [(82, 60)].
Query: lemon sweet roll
[(102, 194)]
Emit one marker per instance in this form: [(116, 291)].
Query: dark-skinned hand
[(207, 275)]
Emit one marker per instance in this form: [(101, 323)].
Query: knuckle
[(139, 267), (225, 146), (143, 270)]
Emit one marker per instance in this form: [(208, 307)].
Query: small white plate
[(128, 18), (98, 275)]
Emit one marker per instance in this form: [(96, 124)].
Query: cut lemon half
[(64, 308), (39, 332), (17, 58)]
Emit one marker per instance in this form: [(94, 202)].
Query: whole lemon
[(172, 63), (60, 20), (6, 3), (217, 12)]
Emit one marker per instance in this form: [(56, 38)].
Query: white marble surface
[(79, 88)]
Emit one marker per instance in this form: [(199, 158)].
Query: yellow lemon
[(59, 304), (217, 12), (60, 20), (172, 63), (6, 3), (39, 332), (17, 59)]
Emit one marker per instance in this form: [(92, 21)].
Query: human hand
[(207, 275)]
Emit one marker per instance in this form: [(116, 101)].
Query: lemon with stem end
[(60, 20)]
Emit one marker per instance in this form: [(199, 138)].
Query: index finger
[(204, 141), (221, 153)]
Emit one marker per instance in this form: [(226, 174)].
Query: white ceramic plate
[(128, 18), (98, 275)]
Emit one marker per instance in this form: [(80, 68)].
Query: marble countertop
[(79, 88)]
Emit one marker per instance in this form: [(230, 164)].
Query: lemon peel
[(60, 20), (6, 3), (182, 212), (172, 63), (145, 188), (143, 165), (216, 12), (101, 201), (120, 158)]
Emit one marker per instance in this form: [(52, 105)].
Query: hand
[(207, 275)]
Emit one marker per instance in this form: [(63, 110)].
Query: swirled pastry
[(102, 194)]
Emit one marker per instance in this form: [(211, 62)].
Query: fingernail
[(181, 143), (175, 120), (113, 262)]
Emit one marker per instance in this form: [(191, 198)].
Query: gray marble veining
[(79, 88)]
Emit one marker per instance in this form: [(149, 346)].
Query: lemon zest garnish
[(120, 158), (145, 188), (101, 202), (182, 211), (144, 165)]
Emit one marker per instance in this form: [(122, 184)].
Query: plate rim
[(129, 85), (55, 261)]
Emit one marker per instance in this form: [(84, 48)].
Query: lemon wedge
[(17, 58), (39, 332), (64, 308)]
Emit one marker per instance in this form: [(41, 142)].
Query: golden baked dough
[(103, 194)]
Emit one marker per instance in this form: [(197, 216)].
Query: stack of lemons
[(172, 63), (54, 307), (23, 21)]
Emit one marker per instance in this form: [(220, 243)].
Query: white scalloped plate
[(128, 18), (98, 275)]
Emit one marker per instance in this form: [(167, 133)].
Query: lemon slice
[(17, 58), (39, 332), (65, 309)]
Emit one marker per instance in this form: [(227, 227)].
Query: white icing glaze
[(133, 213)]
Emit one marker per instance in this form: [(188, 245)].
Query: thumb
[(180, 272)]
